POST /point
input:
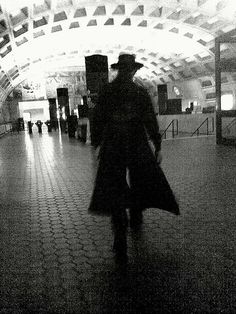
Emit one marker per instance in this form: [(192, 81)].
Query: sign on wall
[(32, 89), (74, 81)]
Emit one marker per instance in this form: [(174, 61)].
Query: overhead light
[(190, 59), (3, 50), (227, 102), (223, 47), (203, 54), (17, 28), (38, 19), (176, 90), (196, 14), (207, 37), (213, 20), (177, 64), (1, 40), (228, 28)]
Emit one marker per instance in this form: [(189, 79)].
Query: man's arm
[(150, 121), (99, 119)]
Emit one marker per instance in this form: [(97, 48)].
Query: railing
[(229, 126), (172, 125), (206, 121)]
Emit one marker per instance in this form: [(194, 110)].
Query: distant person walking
[(123, 120), (72, 124)]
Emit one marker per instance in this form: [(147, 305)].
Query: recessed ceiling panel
[(175, 35)]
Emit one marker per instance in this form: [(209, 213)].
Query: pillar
[(96, 77)]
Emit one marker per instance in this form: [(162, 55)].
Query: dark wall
[(174, 106), (168, 106), (162, 98)]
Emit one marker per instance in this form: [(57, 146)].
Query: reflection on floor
[(55, 258)]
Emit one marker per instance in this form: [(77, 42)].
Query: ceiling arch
[(173, 38)]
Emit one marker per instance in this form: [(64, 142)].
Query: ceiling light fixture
[(17, 28), (195, 14), (204, 54), (213, 20)]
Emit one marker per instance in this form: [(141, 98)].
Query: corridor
[(56, 258)]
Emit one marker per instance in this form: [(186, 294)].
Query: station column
[(96, 77), (63, 103)]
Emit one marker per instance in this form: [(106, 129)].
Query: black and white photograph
[(117, 156)]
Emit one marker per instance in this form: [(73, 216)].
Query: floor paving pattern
[(56, 258)]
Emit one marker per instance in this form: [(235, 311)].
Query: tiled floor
[(55, 258)]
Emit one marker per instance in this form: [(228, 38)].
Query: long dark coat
[(124, 121)]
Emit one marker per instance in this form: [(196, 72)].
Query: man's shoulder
[(141, 90), (104, 89), (133, 86)]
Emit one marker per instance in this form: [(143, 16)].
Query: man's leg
[(135, 211), (119, 226), (136, 217)]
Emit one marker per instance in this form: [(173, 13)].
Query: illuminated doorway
[(26, 116), (37, 109)]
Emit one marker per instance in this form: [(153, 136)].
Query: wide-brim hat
[(126, 61)]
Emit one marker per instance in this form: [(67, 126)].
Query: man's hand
[(158, 157), (97, 152)]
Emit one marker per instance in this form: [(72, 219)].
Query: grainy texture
[(56, 258)]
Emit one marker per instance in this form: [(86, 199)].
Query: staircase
[(186, 126)]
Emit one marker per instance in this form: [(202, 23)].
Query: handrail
[(230, 125), (207, 123), (172, 123)]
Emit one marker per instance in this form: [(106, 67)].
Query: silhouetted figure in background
[(49, 125), (39, 125), (20, 125), (54, 124), (30, 124), (72, 124), (123, 120)]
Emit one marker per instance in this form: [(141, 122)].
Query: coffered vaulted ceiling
[(174, 39)]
